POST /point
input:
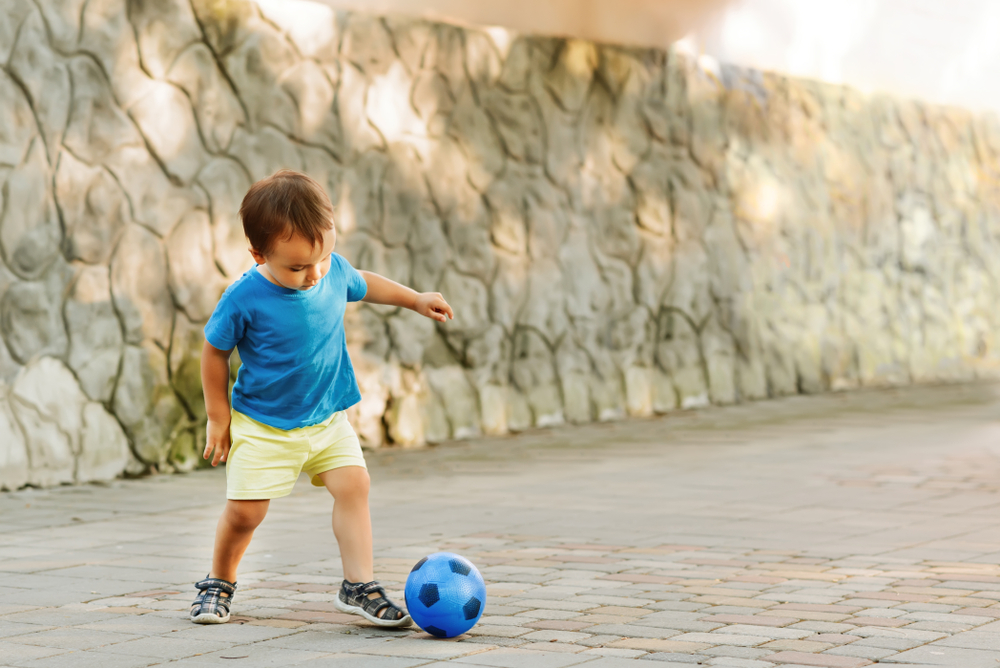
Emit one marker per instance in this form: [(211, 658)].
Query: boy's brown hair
[(283, 205)]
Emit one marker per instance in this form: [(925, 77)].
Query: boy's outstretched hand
[(217, 441), (433, 305)]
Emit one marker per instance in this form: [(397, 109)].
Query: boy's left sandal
[(210, 606), (369, 601)]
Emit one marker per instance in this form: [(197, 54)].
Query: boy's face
[(296, 263)]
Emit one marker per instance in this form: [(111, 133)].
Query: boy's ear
[(257, 257)]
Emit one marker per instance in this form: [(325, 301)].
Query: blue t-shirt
[(296, 371)]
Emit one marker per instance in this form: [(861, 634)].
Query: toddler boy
[(286, 315)]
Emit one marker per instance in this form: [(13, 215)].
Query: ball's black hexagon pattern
[(472, 607), (429, 594), (435, 631), (416, 566), (459, 566)]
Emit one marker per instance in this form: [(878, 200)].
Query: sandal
[(369, 600), (211, 607)]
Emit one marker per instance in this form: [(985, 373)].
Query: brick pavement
[(834, 531)]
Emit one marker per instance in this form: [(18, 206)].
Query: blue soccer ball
[(445, 594)]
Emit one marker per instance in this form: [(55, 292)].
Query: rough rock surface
[(621, 231)]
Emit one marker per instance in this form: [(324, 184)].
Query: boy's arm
[(383, 291), (215, 382)]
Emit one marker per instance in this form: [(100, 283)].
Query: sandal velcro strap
[(361, 596), (224, 586), (215, 597)]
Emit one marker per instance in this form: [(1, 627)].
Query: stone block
[(403, 416), (163, 30), (167, 123), (95, 333), (310, 26), (256, 66), (310, 88), (459, 399), (94, 209), (194, 280), (31, 318), (49, 405), (572, 71), (30, 233), (106, 34), (145, 403), (155, 201), (216, 106), (226, 182), (19, 128), (15, 11), (519, 121), (226, 24), (104, 451), (14, 453), (46, 79), (139, 287)]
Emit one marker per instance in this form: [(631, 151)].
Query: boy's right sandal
[(210, 606), (369, 601)]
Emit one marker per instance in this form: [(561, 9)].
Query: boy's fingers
[(445, 308), (216, 455)]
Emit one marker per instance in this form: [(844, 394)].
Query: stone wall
[(621, 231)]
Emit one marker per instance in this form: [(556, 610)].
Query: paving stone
[(972, 640), (71, 638), (740, 663), (406, 647), (630, 630), (519, 658), (898, 644), (673, 657), (764, 631), (862, 652), (758, 620), (499, 631), (89, 659), (552, 646), (557, 625), (654, 645), (165, 647), (943, 627), (931, 655), (556, 636), (742, 640), (835, 638), (824, 627), (20, 652), (824, 660), (736, 652)]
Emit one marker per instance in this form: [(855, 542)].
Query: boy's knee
[(353, 483), (246, 515), (360, 481)]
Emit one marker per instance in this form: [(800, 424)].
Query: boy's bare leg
[(232, 536), (352, 523)]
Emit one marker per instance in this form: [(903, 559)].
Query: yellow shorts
[(264, 462)]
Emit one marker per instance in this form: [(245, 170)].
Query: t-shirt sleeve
[(356, 286), (228, 324)]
